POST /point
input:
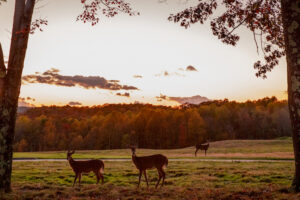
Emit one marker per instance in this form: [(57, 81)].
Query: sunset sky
[(146, 56)]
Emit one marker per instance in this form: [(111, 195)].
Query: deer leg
[(140, 178), (164, 176), (205, 152), (196, 152), (97, 176), (159, 177), (75, 179), (146, 178), (102, 178), (79, 178)]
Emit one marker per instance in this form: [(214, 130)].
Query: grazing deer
[(202, 147), (85, 166), (143, 163)]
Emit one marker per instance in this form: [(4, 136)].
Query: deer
[(143, 163), (86, 166), (203, 146)]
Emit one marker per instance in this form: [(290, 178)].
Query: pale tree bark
[(11, 79), (291, 23)]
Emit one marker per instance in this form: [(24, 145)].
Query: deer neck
[(71, 161), (134, 159)]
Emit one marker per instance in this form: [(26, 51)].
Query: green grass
[(280, 148), (185, 180)]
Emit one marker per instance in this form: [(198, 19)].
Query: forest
[(114, 126)]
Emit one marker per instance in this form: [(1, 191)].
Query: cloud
[(182, 100), (191, 68), (161, 97), (30, 99), (74, 103), (166, 73), (137, 76), (23, 102), (126, 94), (191, 100), (53, 77)]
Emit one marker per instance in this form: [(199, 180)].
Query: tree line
[(114, 126)]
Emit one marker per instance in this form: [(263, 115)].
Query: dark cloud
[(191, 100), (126, 94), (191, 68), (53, 77), (137, 76), (74, 103)]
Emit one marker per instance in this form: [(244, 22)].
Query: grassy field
[(229, 149), (185, 180)]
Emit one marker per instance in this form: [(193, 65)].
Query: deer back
[(148, 162), (202, 146), (86, 165)]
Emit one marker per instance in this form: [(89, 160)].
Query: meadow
[(184, 180), (280, 148)]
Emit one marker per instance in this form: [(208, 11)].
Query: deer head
[(69, 154), (133, 148)]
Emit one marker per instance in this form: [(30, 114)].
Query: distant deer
[(143, 163), (85, 166), (202, 147)]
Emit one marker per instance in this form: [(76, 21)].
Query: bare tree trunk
[(11, 88), (291, 23)]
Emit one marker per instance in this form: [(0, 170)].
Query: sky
[(129, 59)]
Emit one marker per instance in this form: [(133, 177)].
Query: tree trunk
[(11, 88), (291, 24)]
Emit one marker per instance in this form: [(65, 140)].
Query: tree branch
[(255, 41), (237, 26), (29, 7), (109, 6), (19, 11)]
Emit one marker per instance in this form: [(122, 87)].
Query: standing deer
[(85, 166), (143, 163), (202, 147)]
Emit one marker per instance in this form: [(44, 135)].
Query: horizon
[(23, 104), (142, 58)]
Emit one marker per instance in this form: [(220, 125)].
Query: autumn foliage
[(119, 125), (109, 8)]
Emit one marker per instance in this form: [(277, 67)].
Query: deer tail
[(166, 164), (102, 169)]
